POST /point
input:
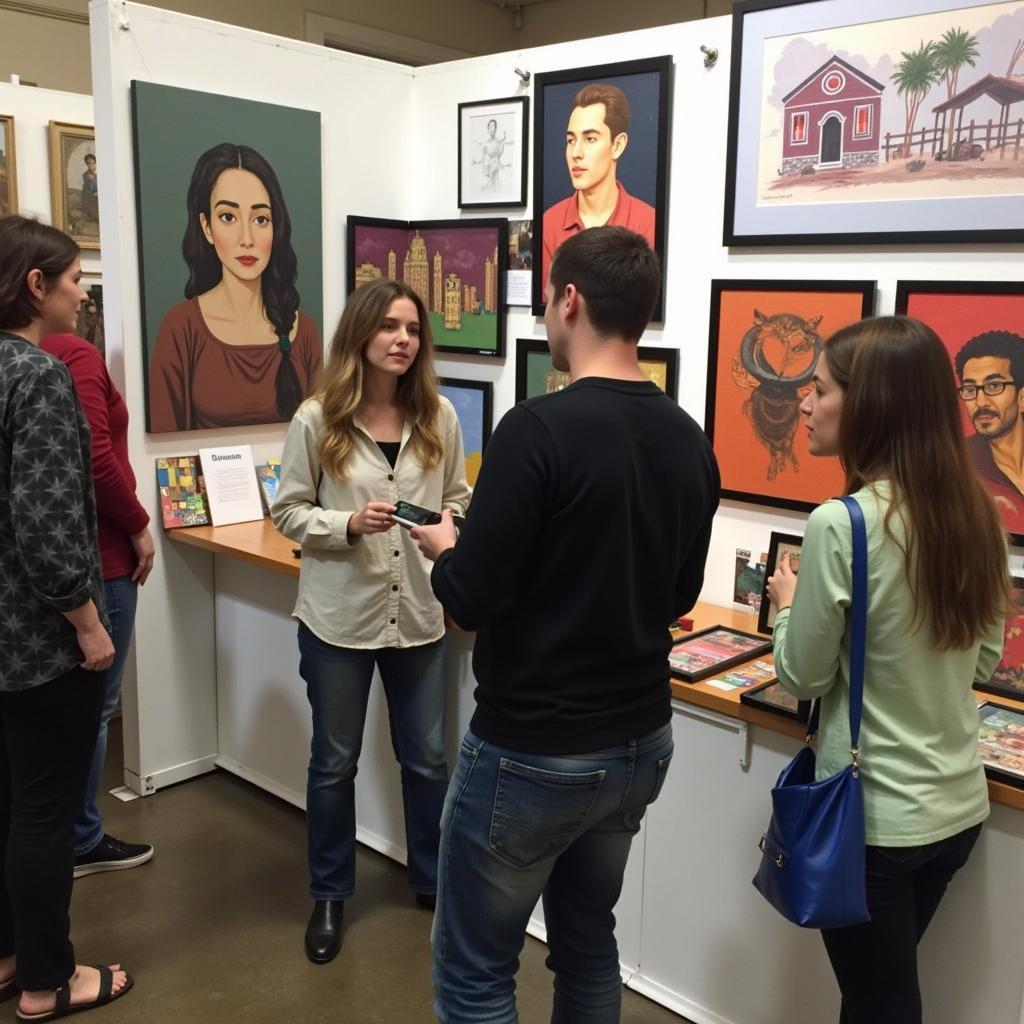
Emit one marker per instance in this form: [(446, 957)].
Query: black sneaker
[(111, 854)]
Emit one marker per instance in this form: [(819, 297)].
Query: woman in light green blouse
[(884, 401)]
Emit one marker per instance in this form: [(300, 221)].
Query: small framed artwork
[(473, 400), (765, 340), (981, 323), (535, 374), (867, 121), (777, 700), (1008, 678), (1001, 743), (457, 267), (89, 324), (493, 138), (780, 544), (714, 650), (8, 167), (600, 156), (74, 182), (520, 262)]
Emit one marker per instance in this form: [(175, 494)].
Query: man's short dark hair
[(994, 345), (618, 274), (89, 156), (616, 106)]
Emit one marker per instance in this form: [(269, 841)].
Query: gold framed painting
[(73, 182), (8, 169)]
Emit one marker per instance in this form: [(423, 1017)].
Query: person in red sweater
[(126, 552)]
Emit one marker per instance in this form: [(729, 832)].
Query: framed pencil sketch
[(777, 700), (8, 167), (1001, 743), (473, 401), (713, 650), (765, 340), (535, 374), (867, 121), (74, 182), (1008, 678), (457, 267), (981, 323), (600, 156), (493, 139), (780, 544)]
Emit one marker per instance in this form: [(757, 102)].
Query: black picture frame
[(645, 167), (751, 221), (474, 452), (756, 648), (729, 422), (512, 109), (1002, 765), (498, 225), (786, 541), (1010, 669), (777, 700), (668, 358), (948, 307)]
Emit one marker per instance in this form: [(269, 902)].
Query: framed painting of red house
[(867, 121), (766, 338), (981, 323)]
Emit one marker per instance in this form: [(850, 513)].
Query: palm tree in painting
[(914, 77), (955, 50)]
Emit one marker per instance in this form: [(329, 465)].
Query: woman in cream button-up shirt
[(377, 431)]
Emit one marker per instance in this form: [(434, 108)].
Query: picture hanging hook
[(710, 56), (523, 75)]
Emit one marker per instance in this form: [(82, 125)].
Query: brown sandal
[(64, 1006)]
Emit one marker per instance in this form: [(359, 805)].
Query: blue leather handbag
[(812, 856)]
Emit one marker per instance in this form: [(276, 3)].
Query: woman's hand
[(96, 646), (373, 517), (145, 551), (782, 584)]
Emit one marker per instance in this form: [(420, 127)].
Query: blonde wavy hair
[(340, 389)]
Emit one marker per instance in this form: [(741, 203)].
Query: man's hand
[(433, 540)]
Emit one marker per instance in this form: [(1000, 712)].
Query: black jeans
[(47, 737), (876, 963)]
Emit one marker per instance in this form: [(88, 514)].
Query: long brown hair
[(340, 391), (901, 422)]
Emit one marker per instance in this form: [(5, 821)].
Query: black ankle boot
[(323, 933)]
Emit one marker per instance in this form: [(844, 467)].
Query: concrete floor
[(212, 927)]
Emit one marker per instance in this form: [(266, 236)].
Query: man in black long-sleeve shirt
[(587, 535)]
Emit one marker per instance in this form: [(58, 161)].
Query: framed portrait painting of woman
[(8, 172), (230, 251)]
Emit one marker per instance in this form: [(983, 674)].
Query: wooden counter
[(259, 544)]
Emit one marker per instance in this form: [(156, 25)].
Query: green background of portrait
[(172, 129)]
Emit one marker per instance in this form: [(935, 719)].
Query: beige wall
[(55, 54)]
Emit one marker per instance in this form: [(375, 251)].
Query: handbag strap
[(858, 637)]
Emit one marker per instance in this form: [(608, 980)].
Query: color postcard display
[(182, 492), (714, 650), (1001, 742)]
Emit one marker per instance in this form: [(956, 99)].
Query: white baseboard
[(147, 785), (243, 771), (673, 1001)]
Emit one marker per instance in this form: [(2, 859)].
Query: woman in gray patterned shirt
[(54, 645)]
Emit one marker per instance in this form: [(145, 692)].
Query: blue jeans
[(120, 596), (338, 686), (520, 826)]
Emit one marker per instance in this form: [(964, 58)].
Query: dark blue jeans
[(338, 686), (120, 597), (520, 826), (876, 962)]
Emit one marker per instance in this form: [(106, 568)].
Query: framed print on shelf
[(493, 139), (1008, 678), (867, 121), (713, 650), (766, 337), (457, 267), (780, 544), (981, 323), (1001, 743), (473, 401), (74, 182), (600, 138), (777, 700), (535, 374), (8, 167)]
